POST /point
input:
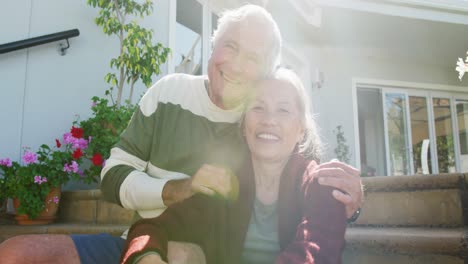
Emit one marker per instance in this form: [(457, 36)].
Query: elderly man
[(182, 123)]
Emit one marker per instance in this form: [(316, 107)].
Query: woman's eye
[(252, 59), (284, 110)]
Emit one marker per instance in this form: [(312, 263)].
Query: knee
[(12, 250), (183, 253)]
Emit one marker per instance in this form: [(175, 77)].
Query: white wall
[(42, 91)]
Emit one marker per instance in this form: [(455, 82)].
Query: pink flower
[(93, 104), (39, 179), (76, 143), (68, 138), (29, 157), (6, 162), (80, 144), (56, 200), (73, 167)]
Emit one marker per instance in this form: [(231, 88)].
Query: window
[(371, 132), (406, 131), (187, 54), (191, 26)]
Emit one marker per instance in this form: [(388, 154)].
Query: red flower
[(77, 154), (97, 159), (77, 132), (57, 143)]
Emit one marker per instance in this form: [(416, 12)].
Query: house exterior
[(382, 70)]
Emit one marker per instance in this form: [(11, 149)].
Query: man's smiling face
[(237, 61)]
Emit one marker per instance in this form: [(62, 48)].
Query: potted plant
[(35, 183)]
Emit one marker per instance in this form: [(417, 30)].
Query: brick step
[(86, 206), (419, 200)]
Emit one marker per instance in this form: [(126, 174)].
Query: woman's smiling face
[(273, 121)]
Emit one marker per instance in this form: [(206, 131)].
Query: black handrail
[(26, 43)]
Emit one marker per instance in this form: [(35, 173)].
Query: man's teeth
[(268, 136)]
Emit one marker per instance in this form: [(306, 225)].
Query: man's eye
[(257, 108), (230, 46)]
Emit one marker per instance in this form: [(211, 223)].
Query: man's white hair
[(255, 14)]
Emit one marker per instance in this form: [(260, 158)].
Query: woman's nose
[(268, 118)]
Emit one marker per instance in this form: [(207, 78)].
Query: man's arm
[(124, 180), (343, 177), (189, 221)]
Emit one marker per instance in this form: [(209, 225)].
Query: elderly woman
[(280, 215)]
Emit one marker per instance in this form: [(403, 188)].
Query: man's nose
[(237, 64)]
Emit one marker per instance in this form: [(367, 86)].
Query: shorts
[(98, 248)]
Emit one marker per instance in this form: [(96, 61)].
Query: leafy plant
[(342, 149), (445, 153), (104, 127), (138, 57)]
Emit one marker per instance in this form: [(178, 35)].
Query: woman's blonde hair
[(311, 145)]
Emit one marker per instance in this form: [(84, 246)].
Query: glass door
[(443, 127), (420, 134), (461, 108), (398, 136)]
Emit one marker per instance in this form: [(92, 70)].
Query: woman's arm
[(320, 234), (188, 221)]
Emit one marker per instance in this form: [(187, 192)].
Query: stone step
[(363, 245), (405, 245), (419, 200), (408, 240), (365, 257)]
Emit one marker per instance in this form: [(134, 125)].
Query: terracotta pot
[(47, 216)]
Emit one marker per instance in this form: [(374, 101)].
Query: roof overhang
[(450, 11)]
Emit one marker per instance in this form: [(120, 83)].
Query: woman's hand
[(340, 176), (215, 180)]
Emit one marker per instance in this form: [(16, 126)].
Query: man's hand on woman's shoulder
[(340, 176)]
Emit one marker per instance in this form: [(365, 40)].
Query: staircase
[(411, 219), (405, 219)]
